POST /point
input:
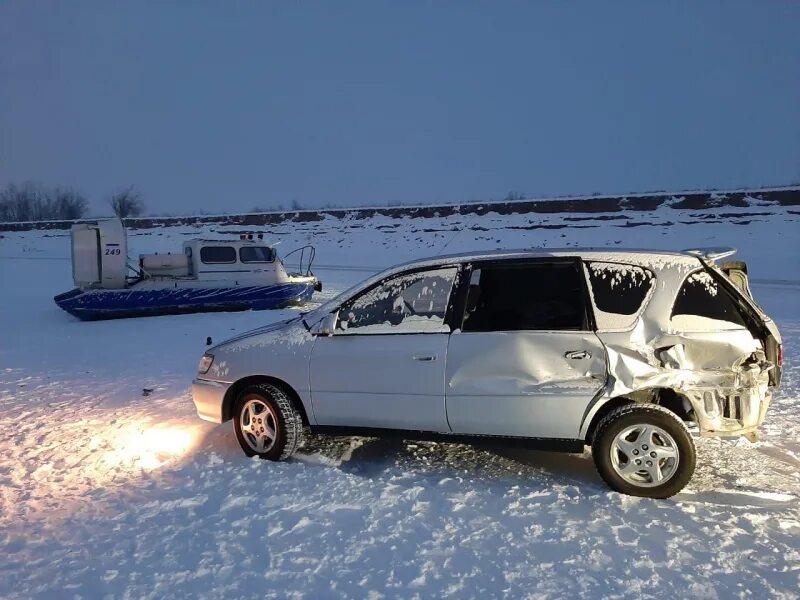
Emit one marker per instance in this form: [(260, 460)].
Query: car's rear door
[(526, 361), (384, 365)]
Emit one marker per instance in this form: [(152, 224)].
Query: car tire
[(644, 450), (266, 422)]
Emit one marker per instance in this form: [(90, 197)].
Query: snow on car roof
[(635, 255), (658, 260)]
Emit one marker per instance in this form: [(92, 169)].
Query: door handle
[(424, 357), (578, 354)]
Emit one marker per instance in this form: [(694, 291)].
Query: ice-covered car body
[(532, 346)]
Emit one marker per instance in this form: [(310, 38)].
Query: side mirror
[(327, 325)]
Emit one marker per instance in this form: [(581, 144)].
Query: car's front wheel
[(644, 450), (266, 422)]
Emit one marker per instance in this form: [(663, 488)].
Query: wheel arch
[(238, 386), (665, 397)]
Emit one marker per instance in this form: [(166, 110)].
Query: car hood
[(255, 332)]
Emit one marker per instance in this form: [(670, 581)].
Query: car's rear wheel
[(266, 422), (644, 450)]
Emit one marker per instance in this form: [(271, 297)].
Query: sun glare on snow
[(141, 445)]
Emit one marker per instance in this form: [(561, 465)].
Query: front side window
[(618, 292), (532, 297), (210, 255), (703, 305), (256, 254), (411, 303)]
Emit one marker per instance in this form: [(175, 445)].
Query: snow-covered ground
[(108, 490)]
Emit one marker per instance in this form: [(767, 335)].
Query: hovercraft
[(209, 275)]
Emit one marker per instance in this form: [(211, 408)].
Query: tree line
[(34, 202)]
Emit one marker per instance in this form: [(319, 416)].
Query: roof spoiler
[(711, 254)]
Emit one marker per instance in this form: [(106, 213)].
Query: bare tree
[(513, 195), (17, 202), (127, 203), (67, 203), (32, 202)]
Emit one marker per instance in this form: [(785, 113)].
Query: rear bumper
[(208, 398), (736, 414)]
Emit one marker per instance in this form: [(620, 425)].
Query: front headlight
[(205, 363)]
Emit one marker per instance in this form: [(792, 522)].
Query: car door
[(384, 365), (526, 361)]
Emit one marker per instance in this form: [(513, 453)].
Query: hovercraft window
[(211, 255), (256, 254)]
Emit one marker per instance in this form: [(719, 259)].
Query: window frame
[(575, 261), (446, 322), (642, 307), (219, 262), (257, 262), (727, 288)]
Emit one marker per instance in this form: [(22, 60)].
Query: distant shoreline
[(759, 200)]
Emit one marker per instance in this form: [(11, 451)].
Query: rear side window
[(533, 297), (619, 292), (256, 254), (217, 254), (703, 305)]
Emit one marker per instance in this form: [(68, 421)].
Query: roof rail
[(711, 254)]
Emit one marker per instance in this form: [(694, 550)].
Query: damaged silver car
[(629, 352)]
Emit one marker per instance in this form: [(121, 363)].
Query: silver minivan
[(630, 352)]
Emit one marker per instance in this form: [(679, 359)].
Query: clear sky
[(222, 106)]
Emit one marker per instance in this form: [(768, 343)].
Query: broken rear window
[(703, 305), (618, 292)]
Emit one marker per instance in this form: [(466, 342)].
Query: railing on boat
[(307, 253)]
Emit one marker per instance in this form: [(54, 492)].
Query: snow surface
[(110, 486)]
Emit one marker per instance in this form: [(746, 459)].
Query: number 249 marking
[(110, 251)]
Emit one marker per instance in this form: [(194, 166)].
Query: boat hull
[(97, 304)]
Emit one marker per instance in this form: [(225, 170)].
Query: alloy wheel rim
[(645, 455), (259, 425)]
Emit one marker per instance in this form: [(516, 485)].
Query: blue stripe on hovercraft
[(113, 304)]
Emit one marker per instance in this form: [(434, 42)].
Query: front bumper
[(208, 398)]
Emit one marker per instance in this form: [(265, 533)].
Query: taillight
[(780, 355)]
